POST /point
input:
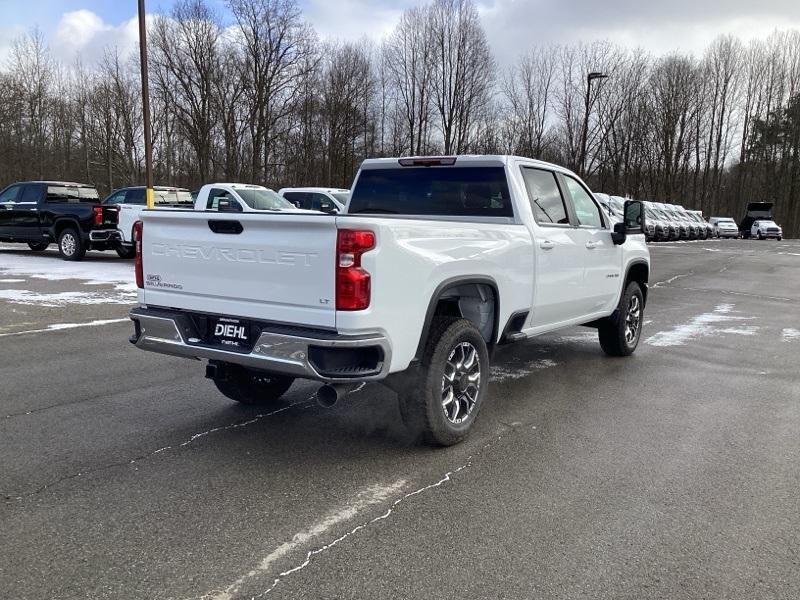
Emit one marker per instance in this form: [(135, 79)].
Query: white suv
[(724, 227), (764, 228)]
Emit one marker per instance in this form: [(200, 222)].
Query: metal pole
[(585, 125), (148, 147)]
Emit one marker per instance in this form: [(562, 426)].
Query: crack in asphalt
[(300, 404), (142, 457), (447, 477)]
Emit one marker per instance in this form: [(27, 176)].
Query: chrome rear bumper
[(105, 235), (174, 333)]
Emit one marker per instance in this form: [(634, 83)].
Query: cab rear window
[(440, 191)]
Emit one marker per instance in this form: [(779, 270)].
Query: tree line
[(257, 96)]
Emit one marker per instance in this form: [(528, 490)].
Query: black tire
[(423, 409), (253, 387), (614, 334), (126, 251), (70, 245), (38, 246), (758, 233)]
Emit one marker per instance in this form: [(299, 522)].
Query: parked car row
[(668, 222), (71, 215)]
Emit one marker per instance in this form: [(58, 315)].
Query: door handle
[(546, 245), (220, 226), (592, 245)]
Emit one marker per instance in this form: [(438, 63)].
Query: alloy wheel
[(461, 382), (632, 320)]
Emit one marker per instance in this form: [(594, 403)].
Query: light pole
[(148, 147), (589, 78)]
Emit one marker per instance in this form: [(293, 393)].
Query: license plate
[(230, 332)]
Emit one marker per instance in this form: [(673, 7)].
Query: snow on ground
[(19, 268), (51, 267), (58, 299), (789, 334), (503, 373), (717, 322)]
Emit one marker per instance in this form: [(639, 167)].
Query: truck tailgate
[(271, 267)]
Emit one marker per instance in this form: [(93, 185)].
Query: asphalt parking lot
[(671, 474)]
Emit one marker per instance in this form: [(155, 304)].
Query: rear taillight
[(352, 282), (138, 231), (98, 215)]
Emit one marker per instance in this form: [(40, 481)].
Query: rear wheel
[(252, 387), (38, 246), (70, 245), (619, 335), (453, 383)]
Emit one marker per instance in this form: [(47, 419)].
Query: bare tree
[(463, 69)]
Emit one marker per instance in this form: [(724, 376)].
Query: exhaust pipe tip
[(327, 396), (330, 393)]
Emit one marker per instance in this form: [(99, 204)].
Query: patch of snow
[(94, 272), (61, 326), (702, 326), (670, 280), (789, 334), (59, 299), (12, 281), (504, 373)]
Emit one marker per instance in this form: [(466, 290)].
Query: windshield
[(263, 199), (342, 197)]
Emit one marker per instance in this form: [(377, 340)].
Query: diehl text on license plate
[(231, 332)]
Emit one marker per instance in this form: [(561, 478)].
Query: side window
[(545, 197), (10, 193), (135, 196), (216, 194), (31, 193), (304, 200), (117, 198), (323, 203), (585, 208)]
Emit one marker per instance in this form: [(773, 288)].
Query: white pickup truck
[(130, 203), (434, 263), (236, 197)]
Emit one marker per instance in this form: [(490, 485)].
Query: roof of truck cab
[(314, 189), (69, 183), (485, 159), (160, 188), (237, 186)]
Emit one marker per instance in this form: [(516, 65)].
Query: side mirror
[(632, 222)]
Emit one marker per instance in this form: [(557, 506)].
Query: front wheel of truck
[(619, 334), (252, 387), (452, 385)]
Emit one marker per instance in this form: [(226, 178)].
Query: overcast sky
[(85, 27)]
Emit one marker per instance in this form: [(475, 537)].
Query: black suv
[(39, 213)]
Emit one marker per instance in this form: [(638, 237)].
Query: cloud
[(8, 33), (82, 33), (355, 19), (659, 27)]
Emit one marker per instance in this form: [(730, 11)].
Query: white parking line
[(62, 326)]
